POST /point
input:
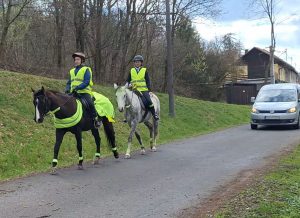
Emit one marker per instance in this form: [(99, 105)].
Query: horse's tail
[(109, 132)]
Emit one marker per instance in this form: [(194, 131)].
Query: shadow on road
[(276, 128)]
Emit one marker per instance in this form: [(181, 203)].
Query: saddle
[(141, 99), (84, 102)]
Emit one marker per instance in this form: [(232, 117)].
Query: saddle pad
[(104, 107)]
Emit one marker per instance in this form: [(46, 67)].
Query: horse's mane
[(56, 92)]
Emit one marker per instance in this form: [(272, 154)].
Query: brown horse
[(64, 106)]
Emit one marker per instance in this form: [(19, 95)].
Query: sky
[(252, 29)]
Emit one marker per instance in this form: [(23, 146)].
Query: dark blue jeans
[(147, 100)]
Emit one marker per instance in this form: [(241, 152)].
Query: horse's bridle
[(130, 102), (47, 109)]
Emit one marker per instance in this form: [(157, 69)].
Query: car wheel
[(253, 126), (296, 126)]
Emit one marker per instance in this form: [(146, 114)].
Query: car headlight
[(254, 110), (292, 110)]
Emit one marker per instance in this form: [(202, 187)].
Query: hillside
[(27, 147)]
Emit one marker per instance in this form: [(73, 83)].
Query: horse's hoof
[(53, 171), (96, 160), (153, 149), (143, 152), (127, 156), (116, 154), (80, 167)]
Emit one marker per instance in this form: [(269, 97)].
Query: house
[(257, 62), (256, 73)]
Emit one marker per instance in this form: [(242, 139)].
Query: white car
[(276, 104)]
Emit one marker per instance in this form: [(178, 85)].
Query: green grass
[(27, 147), (276, 195)]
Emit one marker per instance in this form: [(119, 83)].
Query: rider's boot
[(154, 114), (94, 114)]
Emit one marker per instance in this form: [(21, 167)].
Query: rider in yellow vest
[(80, 82), (140, 80)]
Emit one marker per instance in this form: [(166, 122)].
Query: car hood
[(274, 105)]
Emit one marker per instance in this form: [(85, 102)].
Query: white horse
[(135, 113)]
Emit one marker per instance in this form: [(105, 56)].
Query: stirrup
[(97, 123)]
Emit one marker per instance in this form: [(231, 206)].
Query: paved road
[(156, 185)]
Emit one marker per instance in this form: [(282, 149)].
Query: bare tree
[(79, 23), (192, 8), (11, 10), (111, 32), (269, 9), (170, 61), (59, 12)]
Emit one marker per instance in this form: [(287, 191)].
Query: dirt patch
[(222, 195)]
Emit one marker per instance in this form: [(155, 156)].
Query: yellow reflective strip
[(134, 81), (80, 158), (54, 160), (70, 121), (110, 119)]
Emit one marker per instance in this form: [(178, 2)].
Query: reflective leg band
[(97, 154), (80, 158), (114, 149), (54, 161)]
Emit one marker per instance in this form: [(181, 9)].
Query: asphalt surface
[(158, 184)]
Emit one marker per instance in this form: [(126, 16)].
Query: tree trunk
[(60, 8), (6, 24), (98, 53), (79, 24), (125, 34), (170, 61), (3, 42)]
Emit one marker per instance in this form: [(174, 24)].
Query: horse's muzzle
[(121, 109), (40, 120)]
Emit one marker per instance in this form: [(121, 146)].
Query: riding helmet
[(79, 54), (138, 58)]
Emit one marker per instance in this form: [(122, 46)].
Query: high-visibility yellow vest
[(138, 79), (78, 79)]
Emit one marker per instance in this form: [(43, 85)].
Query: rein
[(130, 102), (58, 108), (48, 111)]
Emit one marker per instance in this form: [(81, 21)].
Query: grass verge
[(277, 194)]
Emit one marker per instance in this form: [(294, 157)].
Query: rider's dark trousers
[(148, 102), (90, 101)]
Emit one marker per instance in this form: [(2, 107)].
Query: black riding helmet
[(138, 58)]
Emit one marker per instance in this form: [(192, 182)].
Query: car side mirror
[(253, 99)]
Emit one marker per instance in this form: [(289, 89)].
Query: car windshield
[(276, 95)]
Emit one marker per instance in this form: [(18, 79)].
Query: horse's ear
[(116, 86), (32, 90), (43, 89)]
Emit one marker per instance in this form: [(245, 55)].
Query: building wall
[(257, 64)]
